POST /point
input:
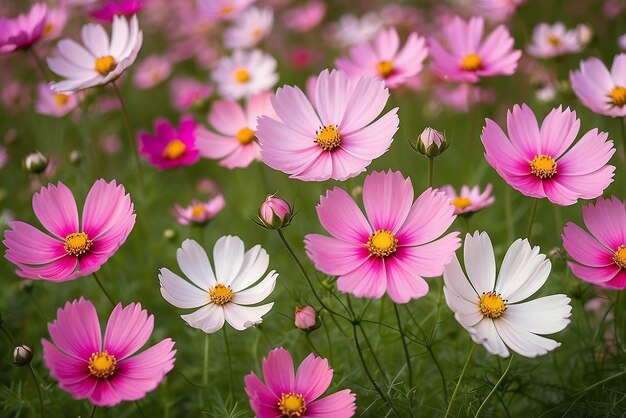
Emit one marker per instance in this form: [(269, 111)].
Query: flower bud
[(75, 157), (584, 33), (306, 317), (275, 213), (22, 355), (35, 163), (430, 143), (169, 234)]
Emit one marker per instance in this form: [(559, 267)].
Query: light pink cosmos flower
[(304, 18), (553, 40), (289, 394), (152, 72), (54, 104), (600, 254), (541, 161), (469, 57), (74, 250), (469, 200), (335, 138), (384, 59), (245, 73), (462, 96), (498, 10), (235, 144), (223, 9), (24, 30), (394, 248), (55, 22), (169, 147), (105, 372), (249, 28), (601, 91), (199, 213), (187, 92)]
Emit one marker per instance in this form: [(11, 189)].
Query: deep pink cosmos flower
[(600, 254), (469, 57), (384, 59), (602, 91), (74, 249), (394, 248), (105, 372), (289, 394), (335, 138), (538, 162), (23, 30), (113, 8), (170, 147)]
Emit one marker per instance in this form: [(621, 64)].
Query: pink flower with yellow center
[(54, 104), (223, 9), (601, 90), (469, 200), (169, 147), (199, 213), (24, 30)]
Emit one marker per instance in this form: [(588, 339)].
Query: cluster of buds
[(275, 213), (430, 143)]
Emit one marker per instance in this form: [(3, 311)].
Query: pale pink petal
[(55, 208), (387, 198), (313, 377), (342, 218), (368, 280), (430, 216), (334, 256), (128, 330), (338, 405)]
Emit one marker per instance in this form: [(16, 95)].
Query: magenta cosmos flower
[(74, 249), (169, 147), (384, 59), (600, 254), (394, 248), (334, 138), (105, 372), (469, 57), (23, 30), (285, 394), (113, 8), (538, 162), (599, 89)]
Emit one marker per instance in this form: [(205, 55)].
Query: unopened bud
[(430, 143), (584, 33), (169, 234), (75, 157), (306, 318), (275, 212), (22, 355), (35, 163)]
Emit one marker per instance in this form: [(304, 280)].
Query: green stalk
[(458, 383), (484, 404)]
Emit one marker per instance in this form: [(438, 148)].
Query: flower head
[(305, 317), (245, 73), (105, 372), (553, 40), (249, 28), (199, 213), (304, 18), (469, 201), (73, 249), (275, 212), (351, 29), (601, 90), (430, 143), (170, 147), (24, 30), (187, 92), (223, 9), (54, 104), (112, 8), (151, 72)]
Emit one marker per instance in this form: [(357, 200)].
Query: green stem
[(40, 65), (623, 127), (95, 276), (404, 346), (32, 372), (230, 365), (431, 170), (531, 219), (205, 368), (93, 411), (484, 404), (374, 356), (131, 132), (458, 383), (443, 377)]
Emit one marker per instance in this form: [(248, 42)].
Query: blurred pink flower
[(245, 73), (55, 23), (469, 200), (301, 57), (54, 104), (601, 91), (249, 28), (498, 10), (112, 8), (24, 30), (529, 157), (199, 213), (111, 145), (553, 40), (151, 72), (4, 156), (393, 248), (462, 96), (187, 92), (350, 29), (223, 9), (305, 17), (169, 147)]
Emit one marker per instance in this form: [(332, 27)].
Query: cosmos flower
[(289, 394), (24, 30), (113, 8), (498, 10), (553, 40), (541, 161), (600, 254), (235, 143), (169, 147), (469, 200), (491, 309), (601, 91), (74, 250), (106, 372), (351, 29), (230, 294), (335, 138), (199, 213), (99, 61), (469, 57), (244, 74), (394, 248), (384, 59), (249, 28), (55, 22), (304, 18), (151, 72), (187, 92), (54, 104), (223, 9)]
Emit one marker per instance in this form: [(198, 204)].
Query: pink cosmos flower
[(289, 394), (384, 59), (469, 56), (152, 72), (187, 92), (223, 9), (553, 40), (600, 254), (394, 248), (601, 91), (169, 147), (74, 250), (304, 18), (469, 200), (462, 96), (23, 30), (235, 145), (199, 213), (105, 372), (498, 10), (113, 8), (335, 138), (55, 22), (54, 104), (538, 161)]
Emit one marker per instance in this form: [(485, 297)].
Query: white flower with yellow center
[(99, 60), (244, 74), (230, 294), (491, 309), (249, 28)]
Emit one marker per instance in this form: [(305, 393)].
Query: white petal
[(64, 68), (255, 263), (76, 54), (455, 279), (180, 292), (523, 272), (119, 36), (485, 333), (209, 318), (194, 263), (95, 40), (242, 317), (545, 315), (480, 262), (523, 342), (228, 258), (467, 313), (257, 293)]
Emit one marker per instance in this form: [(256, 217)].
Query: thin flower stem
[(431, 171), (32, 372), (374, 356), (308, 339), (131, 132), (484, 404), (40, 65), (404, 346), (93, 411), (623, 127), (138, 405), (205, 368), (531, 219), (595, 385), (230, 365), (458, 382), (95, 276)]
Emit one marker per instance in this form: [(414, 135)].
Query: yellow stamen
[(543, 166), (491, 305), (619, 257), (106, 64), (242, 75), (77, 244), (461, 202), (48, 29), (61, 99), (226, 10), (292, 405), (245, 136), (328, 137), (174, 149), (102, 365), (257, 33), (382, 243), (197, 210), (221, 294), (384, 68), (471, 62), (618, 96), (554, 40)]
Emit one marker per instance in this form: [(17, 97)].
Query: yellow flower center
[(221, 294), (328, 137), (471, 62), (257, 33), (48, 29), (543, 166), (384, 68), (104, 65), (228, 9), (245, 136), (61, 99), (461, 202), (77, 244), (491, 305), (102, 365), (618, 96), (554, 40), (242, 75), (382, 243), (174, 149), (197, 210), (619, 257), (292, 405)]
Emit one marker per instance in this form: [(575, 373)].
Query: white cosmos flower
[(98, 61), (249, 28), (226, 295), (553, 40), (492, 310), (245, 73)]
